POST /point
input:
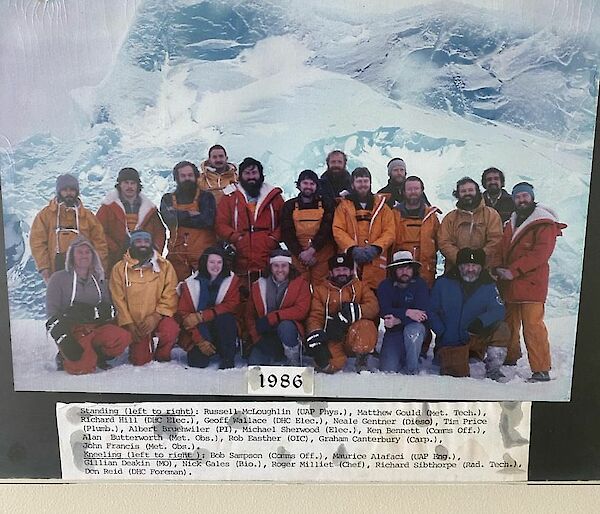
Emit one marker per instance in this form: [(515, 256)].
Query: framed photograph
[(99, 95)]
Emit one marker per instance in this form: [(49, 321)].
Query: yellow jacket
[(213, 182), (136, 293), (45, 241), (480, 228), (380, 231)]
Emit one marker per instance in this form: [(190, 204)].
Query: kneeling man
[(80, 313), (277, 308), (403, 300), (142, 285), (467, 316), (342, 318)]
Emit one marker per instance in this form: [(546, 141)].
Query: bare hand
[(149, 324), (504, 273), (416, 315), (308, 256), (390, 321), (193, 213), (45, 275)]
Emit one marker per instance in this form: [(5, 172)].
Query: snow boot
[(292, 354), (539, 376), (361, 362), (226, 364), (494, 358)]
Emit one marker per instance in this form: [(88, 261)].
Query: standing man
[(417, 227), (80, 313), (471, 225), (467, 316), (528, 242), (336, 182), (364, 226), (249, 219), (396, 169), (127, 209), (342, 320), (142, 285), (59, 223), (495, 195), (189, 213), (306, 228), (403, 300), (279, 303), (217, 176)]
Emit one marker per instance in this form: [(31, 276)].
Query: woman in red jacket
[(207, 302)]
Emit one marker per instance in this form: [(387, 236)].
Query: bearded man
[(189, 213), (471, 225)]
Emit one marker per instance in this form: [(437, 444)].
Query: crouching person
[(341, 322), (142, 285), (80, 313), (207, 303), (467, 316), (403, 300), (278, 305)]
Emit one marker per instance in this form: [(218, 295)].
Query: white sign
[(295, 441)]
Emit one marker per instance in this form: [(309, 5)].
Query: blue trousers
[(401, 348), (269, 349), (222, 333)]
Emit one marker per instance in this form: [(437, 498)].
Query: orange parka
[(327, 299), (419, 237), (139, 292), (46, 241), (362, 227), (479, 228), (217, 183)]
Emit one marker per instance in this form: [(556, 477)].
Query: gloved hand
[(372, 252), (336, 328), (60, 331), (475, 327), (192, 320), (316, 347), (349, 312), (263, 325), (360, 254), (105, 311)]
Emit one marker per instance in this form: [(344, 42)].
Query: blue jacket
[(395, 300), (450, 312)]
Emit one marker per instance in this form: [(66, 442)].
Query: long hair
[(203, 260)]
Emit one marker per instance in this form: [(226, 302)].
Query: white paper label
[(280, 381), (295, 441)]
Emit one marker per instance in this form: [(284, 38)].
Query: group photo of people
[(339, 277), (392, 194)]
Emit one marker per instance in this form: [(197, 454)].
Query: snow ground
[(34, 370)]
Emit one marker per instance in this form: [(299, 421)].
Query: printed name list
[(295, 441)]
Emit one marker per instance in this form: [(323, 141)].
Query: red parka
[(526, 251), (294, 306), (254, 230)]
